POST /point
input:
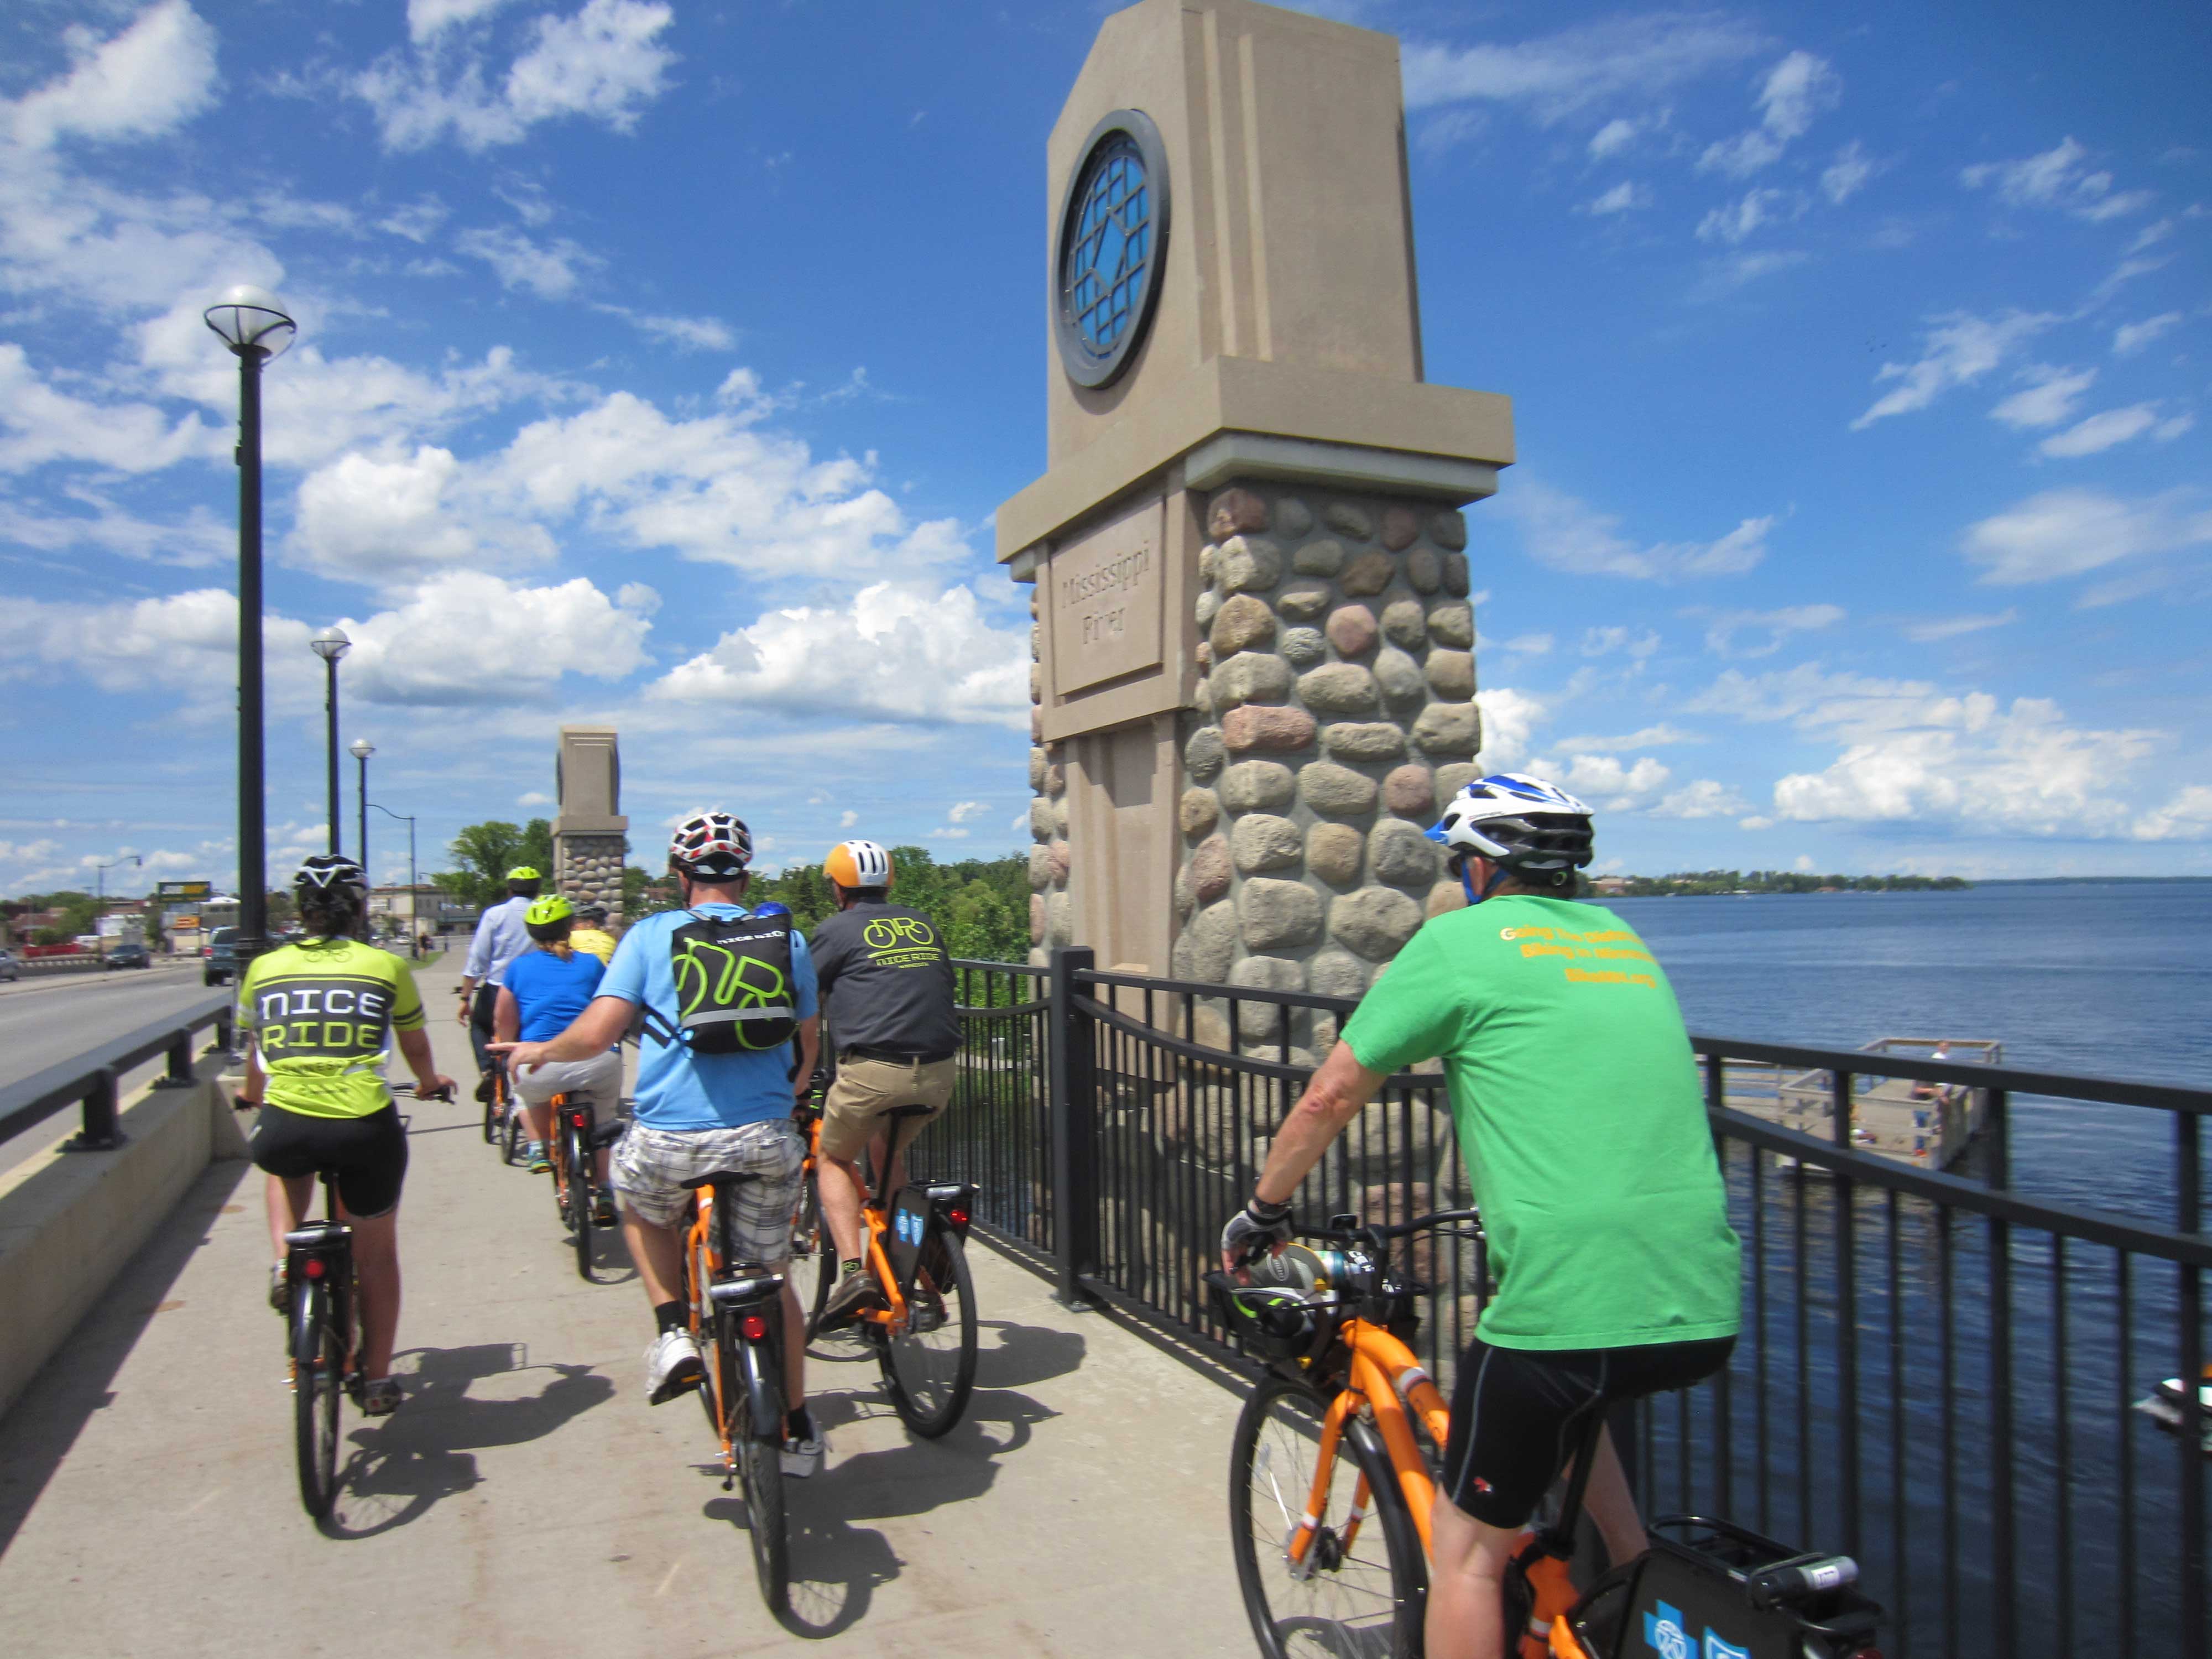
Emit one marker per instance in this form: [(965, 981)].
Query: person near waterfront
[(502, 935), (1575, 1099), (887, 983), (714, 1094), (591, 933), (319, 1018), (547, 987)]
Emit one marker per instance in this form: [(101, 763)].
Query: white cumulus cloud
[(2064, 532), (1562, 75), (1796, 90), (902, 651), (2101, 431), (2132, 337), (152, 77), (2048, 399), (1959, 348), (1772, 629)]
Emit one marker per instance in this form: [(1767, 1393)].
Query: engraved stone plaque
[(1107, 590)]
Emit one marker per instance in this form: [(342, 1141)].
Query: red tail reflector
[(753, 1328), (957, 1218), (315, 1267)]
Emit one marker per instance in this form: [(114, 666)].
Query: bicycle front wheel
[(929, 1368), (1351, 1591), (760, 1464), (510, 1145), (494, 1109), (318, 1381), (813, 1266)]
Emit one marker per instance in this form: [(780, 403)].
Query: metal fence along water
[(1937, 1374)]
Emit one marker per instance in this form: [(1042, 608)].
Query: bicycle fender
[(764, 1388), (310, 1310)]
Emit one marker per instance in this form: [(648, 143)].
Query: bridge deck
[(527, 1501)]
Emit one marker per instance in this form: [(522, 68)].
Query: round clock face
[(1113, 241)]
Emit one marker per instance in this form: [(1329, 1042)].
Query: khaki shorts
[(867, 1089)]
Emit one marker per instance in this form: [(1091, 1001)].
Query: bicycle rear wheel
[(578, 1213), (1362, 1597), (510, 1138), (929, 1368), (760, 1461), (318, 1381)]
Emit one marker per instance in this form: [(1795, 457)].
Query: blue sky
[(665, 365)]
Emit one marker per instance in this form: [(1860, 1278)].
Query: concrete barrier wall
[(69, 1221)]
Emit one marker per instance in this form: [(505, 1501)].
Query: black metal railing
[(92, 1080), (1938, 1373)]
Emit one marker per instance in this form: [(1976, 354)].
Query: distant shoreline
[(1963, 886)]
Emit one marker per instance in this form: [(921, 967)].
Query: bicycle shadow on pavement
[(405, 1464), (837, 1566)]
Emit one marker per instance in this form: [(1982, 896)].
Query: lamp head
[(249, 319), (331, 644), (361, 747)]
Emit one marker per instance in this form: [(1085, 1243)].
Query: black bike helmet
[(331, 887)]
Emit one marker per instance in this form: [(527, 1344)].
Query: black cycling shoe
[(485, 1087)]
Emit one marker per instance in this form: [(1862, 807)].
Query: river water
[(2102, 979)]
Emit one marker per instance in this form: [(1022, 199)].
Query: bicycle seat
[(906, 1111), (697, 1181)]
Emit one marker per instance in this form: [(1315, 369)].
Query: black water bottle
[(1800, 1580)]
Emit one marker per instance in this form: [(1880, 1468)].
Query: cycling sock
[(796, 1424), (846, 1268), (672, 1316)]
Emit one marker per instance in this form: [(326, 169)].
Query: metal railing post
[(100, 1133), (179, 1075), (1074, 1129)]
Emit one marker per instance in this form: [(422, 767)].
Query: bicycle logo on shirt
[(897, 932)]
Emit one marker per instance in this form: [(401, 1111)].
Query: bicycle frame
[(760, 1296), (1383, 1377)]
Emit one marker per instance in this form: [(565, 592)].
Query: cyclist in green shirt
[(1576, 1101), (319, 1017)]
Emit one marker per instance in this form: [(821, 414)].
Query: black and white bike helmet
[(331, 876), (711, 846), (1533, 830)]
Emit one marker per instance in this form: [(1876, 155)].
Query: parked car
[(219, 960), (10, 967), (130, 954)]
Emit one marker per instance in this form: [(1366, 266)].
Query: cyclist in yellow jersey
[(590, 934), (319, 1017)]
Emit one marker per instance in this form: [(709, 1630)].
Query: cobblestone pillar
[(1336, 716)]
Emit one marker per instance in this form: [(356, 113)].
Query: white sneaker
[(802, 1457), (671, 1366)]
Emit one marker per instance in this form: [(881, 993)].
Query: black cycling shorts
[(1515, 1413), (369, 1154)]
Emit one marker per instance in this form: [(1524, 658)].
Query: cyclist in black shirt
[(886, 985)]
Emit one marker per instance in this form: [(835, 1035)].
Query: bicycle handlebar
[(1361, 1234)]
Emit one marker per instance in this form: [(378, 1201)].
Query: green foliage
[(486, 852), (1686, 882), (981, 906)]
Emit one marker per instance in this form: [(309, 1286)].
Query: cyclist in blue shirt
[(709, 1097), (547, 987)]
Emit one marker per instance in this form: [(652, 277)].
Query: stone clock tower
[(591, 836), (1255, 673)]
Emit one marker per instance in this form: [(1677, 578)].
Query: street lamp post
[(99, 904), (413, 928), (254, 324), (361, 748), (330, 645)]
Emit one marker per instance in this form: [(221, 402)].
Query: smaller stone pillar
[(591, 842)]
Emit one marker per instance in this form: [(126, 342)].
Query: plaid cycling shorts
[(651, 1166)]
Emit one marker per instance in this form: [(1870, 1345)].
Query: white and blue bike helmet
[(1534, 830)]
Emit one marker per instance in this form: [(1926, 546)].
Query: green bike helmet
[(549, 919)]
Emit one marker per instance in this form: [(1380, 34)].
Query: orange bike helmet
[(858, 864)]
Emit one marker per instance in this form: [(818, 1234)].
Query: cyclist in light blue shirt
[(715, 1091)]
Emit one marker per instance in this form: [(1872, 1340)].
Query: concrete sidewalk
[(527, 1501)]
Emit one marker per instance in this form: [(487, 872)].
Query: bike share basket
[(1691, 1596), (1288, 1312)]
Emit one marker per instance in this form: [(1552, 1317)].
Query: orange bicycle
[(922, 1324), (736, 1320), (572, 1151), (1333, 1476)]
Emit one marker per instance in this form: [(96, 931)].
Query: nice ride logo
[(1664, 1635)]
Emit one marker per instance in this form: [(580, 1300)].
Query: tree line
[(1685, 883), (981, 906)]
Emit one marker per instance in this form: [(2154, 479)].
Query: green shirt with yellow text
[(1576, 1101)]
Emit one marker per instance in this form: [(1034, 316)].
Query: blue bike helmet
[(772, 909)]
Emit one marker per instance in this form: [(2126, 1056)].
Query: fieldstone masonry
[(588, 870), (1335, 717)]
